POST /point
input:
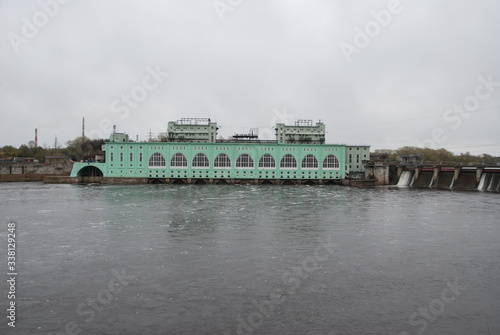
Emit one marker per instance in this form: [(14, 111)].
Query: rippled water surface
[(224, 259)]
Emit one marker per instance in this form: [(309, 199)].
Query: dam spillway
[(445, 180), (463, 178), (406, 178), (466, 181), (424, 179), (490, 181)]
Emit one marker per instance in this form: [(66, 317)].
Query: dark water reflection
[(223, 259)]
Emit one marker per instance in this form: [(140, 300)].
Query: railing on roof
[(304, 123), (193, 121)]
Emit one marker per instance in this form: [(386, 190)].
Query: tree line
[(81, 148), (436, 156)]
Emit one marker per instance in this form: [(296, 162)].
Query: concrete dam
[(450, 178)]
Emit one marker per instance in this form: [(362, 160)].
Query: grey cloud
[(264, 55)]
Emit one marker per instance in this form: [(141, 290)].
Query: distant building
[(25, 159), (55, 159), (302, 132), (199, 130), (119, 137), (410, 159)]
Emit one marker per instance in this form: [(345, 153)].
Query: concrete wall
[(21, 177), (131, 181), (382, 174), (36, 168), (378, 172), (59, 180)]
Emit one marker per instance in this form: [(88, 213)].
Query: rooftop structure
[(118, 137), (303, 131), (199, 130), (253, 134)]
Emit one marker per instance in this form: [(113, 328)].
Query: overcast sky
[(383, 73)]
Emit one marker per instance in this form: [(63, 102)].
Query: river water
[(234, 259)]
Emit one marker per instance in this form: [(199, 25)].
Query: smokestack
[(114, 128), (83, 127), (36, 137)]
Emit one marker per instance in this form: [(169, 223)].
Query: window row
[(131, 157), (222, 160)]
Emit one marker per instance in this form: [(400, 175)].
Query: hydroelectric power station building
[(193, 154)]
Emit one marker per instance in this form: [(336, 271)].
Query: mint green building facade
[(354, 157), (222, 161)]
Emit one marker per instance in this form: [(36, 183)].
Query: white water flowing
[(406, 178), (490, 186), (480, 187)]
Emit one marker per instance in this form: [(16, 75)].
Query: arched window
[(156, 160), (267, 161), (222, 161), (244, 161), (178, 160), (309, 162), (200, 161), (331, 162), (288, 162)]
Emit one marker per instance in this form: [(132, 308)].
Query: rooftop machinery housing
[(194, 130), (302, 132), (193, 154)]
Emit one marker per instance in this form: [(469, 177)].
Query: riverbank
[(11, 178)]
